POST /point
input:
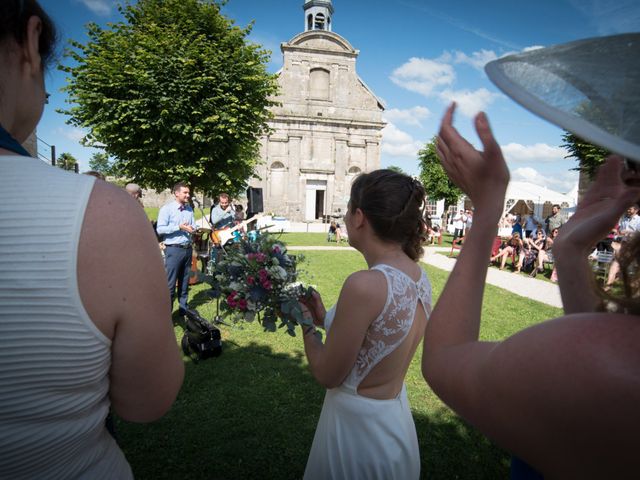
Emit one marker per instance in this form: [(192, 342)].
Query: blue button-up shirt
[(221, 219), (170, 218)]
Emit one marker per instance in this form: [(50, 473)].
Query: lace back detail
[(393, 324)]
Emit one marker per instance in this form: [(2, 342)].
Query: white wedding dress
[(363, 438)]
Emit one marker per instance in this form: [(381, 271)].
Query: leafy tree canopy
[(174, 92), (395, 168), (589, 156), (66, 161), (434, 178), (100, 163)]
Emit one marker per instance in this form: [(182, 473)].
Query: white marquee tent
[(535, 197)]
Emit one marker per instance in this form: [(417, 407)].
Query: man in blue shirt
[(223, 215), (176, 224)]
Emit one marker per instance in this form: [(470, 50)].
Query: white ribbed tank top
[(54, 362)]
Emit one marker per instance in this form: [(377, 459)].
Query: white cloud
[(610, 16), (423, 75), (477, 59), (74, 134), (562, 183), (398, 143), (411, 116), (469, 102), (99, 7), (539, 152)]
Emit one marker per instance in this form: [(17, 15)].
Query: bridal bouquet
[(258, 279)]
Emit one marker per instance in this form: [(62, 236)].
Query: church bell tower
[(317, 15)]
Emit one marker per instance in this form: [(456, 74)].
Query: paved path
[(538, 290)]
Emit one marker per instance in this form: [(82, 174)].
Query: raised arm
[(124, 290), (597, 213)]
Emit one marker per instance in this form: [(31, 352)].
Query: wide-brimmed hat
[(589, 87)]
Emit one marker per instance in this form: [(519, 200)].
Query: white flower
[(235, 286), (278, 273)]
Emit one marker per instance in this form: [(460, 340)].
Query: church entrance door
[(314, 199)]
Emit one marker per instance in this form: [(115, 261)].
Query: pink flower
[(263, 274), (260, 257), (251, 256), (242, 304), (251, 280), (267, 285), (276, 249)]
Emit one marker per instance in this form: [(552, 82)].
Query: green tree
[(589, 156), (435, 180), (66, 161), (173, 92), (395, 168), (100, 163)]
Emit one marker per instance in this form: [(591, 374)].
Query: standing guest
[(531, 223), (240, 215), (468, 222), (176, 224), (135, 191), (517, 226), (366, 430), (458, 224), (555, 220), (222, 215), (84, 318), (628, 225)]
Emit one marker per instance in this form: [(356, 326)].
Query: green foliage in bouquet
[(258, 279)]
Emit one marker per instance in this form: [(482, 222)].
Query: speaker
[(254, 200)]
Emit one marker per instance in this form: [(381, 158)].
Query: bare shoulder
[(365, 283), (118, 255)]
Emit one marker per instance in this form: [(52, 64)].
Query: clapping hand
[(483, 176), (186, 228)]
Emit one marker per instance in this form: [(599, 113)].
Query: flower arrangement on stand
[(258, 279)]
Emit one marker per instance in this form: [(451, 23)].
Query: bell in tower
[(317, 14)]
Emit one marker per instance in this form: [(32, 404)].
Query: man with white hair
[(135, 191)]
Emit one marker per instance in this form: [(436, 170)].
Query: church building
[(326, 129)]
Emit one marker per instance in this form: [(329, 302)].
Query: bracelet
[(309, 329)]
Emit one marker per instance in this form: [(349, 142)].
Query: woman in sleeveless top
[(84, 308), (366, 429)]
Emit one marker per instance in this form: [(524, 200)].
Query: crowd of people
[(561, 396)]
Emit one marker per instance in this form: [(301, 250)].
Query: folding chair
[(602, 264)]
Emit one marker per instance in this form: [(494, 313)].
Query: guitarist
[(222, 215)]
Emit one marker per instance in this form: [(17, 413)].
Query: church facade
[(326, 129)]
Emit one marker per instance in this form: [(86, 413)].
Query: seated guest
[(528, 254), (629, 224), (334, 232), (540, 246), (511, 247), (536, 230)]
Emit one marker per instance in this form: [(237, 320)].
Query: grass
[(252, 412), (152, 213)]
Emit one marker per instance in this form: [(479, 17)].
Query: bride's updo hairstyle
[(394, 206), (14, 16)]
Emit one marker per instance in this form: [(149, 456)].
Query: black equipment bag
[(201, 339)]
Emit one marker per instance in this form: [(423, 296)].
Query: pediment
[(321, 40)]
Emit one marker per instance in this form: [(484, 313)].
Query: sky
[(416, 56)]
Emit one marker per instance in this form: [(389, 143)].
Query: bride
[(366, 429)]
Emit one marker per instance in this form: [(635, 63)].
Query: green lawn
[(252, 412), (152, 213)]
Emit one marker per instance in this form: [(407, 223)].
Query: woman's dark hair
[(14, 16), (394, 206)]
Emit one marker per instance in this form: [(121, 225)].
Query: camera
[(201, 339)]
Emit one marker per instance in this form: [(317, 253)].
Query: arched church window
[(276, 166), (319, 24), (319, 88), (329, 23), (309, 22), (354, 171)]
